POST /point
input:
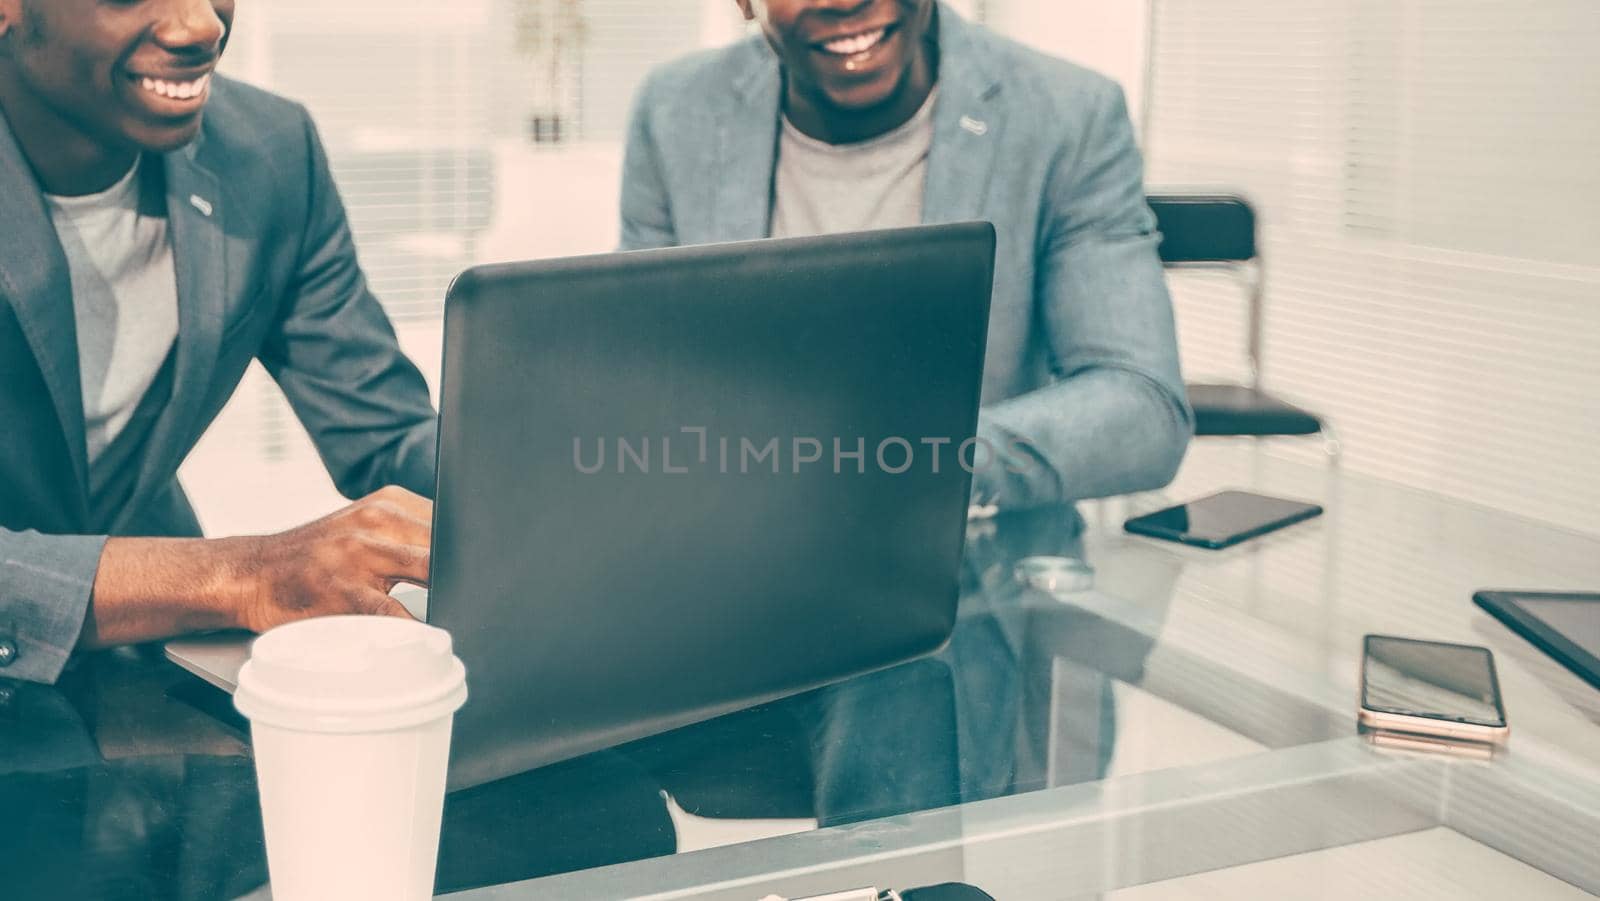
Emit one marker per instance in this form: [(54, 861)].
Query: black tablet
[(1565, 625)]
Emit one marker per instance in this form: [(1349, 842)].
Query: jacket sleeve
[(1116, 418), (335, 355), (45, 581), (646, 209)]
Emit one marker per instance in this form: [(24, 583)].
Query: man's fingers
[(380, 604), (398, 562), (392, 523), (415, 505)]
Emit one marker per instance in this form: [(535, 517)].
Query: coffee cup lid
[(351, 674)]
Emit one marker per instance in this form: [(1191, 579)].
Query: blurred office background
[(1424, 172)]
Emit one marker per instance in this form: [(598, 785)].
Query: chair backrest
[(1205, 228)]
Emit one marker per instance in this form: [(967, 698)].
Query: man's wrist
[(235, 578), (152, 588)]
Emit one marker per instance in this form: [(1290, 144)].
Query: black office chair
[(1219, 231)]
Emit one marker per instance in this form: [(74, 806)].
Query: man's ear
[(744, 7)]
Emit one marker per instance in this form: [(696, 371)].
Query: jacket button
[(8, 652)]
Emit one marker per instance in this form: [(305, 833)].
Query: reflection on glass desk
[(1182, 727)]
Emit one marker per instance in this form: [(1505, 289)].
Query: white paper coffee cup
[(350, 721)]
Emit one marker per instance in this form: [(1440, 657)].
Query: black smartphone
[(1222, 519)]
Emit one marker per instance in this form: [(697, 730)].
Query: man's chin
[(863, 100), (867, 95), (165, 139)]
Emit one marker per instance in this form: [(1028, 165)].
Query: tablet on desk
[(1563, 624)]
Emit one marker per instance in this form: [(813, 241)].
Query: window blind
[(1424, 175)]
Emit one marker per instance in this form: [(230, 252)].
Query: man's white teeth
[(177, 90), (860, 43)]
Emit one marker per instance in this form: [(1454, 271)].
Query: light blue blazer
[(1082, 358)]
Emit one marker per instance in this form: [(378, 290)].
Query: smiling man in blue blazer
[(162, 228), (852, 114)]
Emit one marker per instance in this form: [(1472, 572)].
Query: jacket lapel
[(747, 148), (195, 219), (968, 122), (34, 276)]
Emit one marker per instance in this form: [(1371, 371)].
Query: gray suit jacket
[(1082, 358), (266, 270)]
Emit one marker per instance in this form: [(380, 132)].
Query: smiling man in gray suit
[(162, 228), (854, 114)]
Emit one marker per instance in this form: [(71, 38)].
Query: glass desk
[(1183, 727)]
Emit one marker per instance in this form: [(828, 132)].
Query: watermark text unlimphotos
[(694, 449)]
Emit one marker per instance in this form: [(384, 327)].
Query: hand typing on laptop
[(346, 562)]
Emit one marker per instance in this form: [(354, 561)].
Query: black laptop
[(674, 483)]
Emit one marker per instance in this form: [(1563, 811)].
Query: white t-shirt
[(821, 188), (124, 300)]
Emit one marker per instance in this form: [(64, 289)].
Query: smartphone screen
[(1452, 682), (1223, 518)]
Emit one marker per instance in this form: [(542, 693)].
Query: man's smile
[(852, 44), (858, 52), (170, 94)]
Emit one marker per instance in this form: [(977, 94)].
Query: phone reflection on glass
[(1410, 745)]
